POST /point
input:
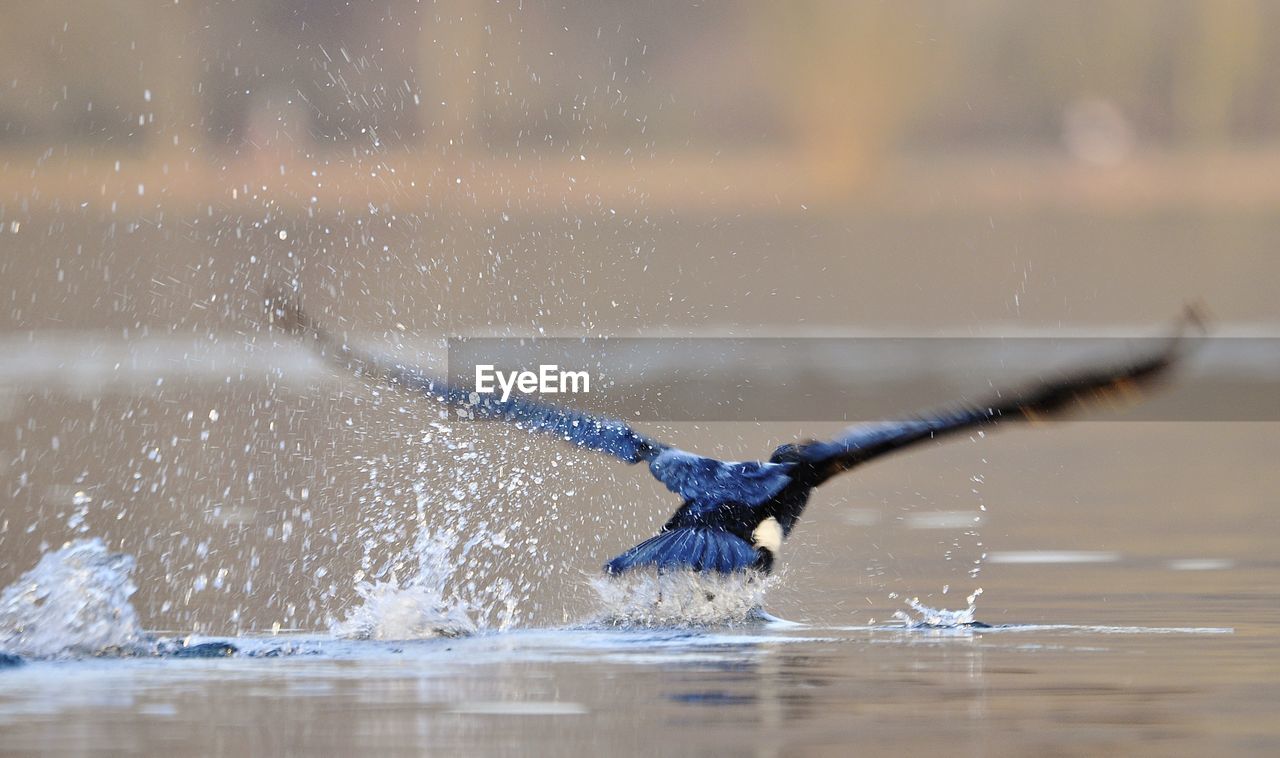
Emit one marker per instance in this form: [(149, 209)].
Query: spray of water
[(939, 618), (680, 598), (420, 607), (75, 602)]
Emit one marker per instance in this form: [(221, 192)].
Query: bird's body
[(728, 534), (736, 515)]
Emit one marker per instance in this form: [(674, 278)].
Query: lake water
[(806, 690), (1129, 566), (1136, 615)]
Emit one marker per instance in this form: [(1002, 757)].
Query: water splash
[(418, 608), (680, 598), (410, 612), (74, 602), (940, 618)]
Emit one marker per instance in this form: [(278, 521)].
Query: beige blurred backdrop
[(426, 170)]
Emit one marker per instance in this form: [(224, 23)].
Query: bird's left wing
[(867, 441), (581, 429)]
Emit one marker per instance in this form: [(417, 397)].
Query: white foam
[(74, 602), (414, 611), (418, 608), (681, 598), (940, 618)]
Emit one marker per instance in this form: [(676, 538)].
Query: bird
[(736, 515)]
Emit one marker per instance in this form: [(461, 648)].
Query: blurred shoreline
[(407, 181)]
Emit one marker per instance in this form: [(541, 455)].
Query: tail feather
[(696, 549)]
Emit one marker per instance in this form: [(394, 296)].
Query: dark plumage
[(735, 515)]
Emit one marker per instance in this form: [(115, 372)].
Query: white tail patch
[(768, 535)]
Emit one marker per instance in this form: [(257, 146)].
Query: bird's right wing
[(864, 442), (581, 429)]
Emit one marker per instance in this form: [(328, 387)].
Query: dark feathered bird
[(736, 515)]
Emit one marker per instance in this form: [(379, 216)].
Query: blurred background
[(419, 170)]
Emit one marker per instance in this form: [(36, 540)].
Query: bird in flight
[(736, 514)]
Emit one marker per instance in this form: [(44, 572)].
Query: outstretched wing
[(584, 430), (867, 441)]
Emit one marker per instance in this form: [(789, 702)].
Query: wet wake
[(681, 599), (76, 602)]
